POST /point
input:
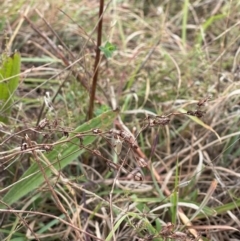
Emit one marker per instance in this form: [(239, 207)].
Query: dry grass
[(178, 180)]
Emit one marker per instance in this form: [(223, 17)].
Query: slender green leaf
[(146, 225), (118, 223), (200, 122), (209, 22), (9, 80), (221, 209), (174, 198), (184, 21), (208, 196)]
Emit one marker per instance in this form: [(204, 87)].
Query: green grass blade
[(222, 209), (184, 22), (146, 225), (9, 80), (208, 196), (174, 198), (206, 25), (67, 152), (110, 235), (200, 122)]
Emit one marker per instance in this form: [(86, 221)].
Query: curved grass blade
[(200, 122)]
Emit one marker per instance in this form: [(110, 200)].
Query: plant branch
[(97, 61)]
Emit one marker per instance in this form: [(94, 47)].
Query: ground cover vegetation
[(119, 120)]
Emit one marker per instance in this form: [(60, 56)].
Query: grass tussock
[(125, 121)]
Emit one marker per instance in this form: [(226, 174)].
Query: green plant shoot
[(108, 49)]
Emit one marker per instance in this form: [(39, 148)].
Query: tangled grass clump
[(108, 131)]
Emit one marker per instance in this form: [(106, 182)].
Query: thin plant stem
[(97, 60)]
